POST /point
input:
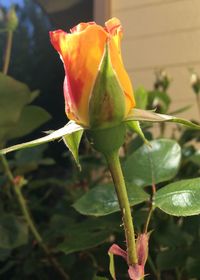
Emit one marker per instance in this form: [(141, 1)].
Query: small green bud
[(11, 19), (107, 105)]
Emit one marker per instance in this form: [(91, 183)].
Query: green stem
[(7, 52), (118, 179), (151, 208), (36, 234), (148, 219), (198, 102)]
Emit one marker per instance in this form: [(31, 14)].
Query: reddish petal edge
[(113, 26), (55, 38), (81, 26)]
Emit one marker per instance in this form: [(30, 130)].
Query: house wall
[(162, 34)]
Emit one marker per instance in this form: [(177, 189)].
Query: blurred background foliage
[(76, 213), (31, 50)]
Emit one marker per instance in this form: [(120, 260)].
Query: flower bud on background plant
[(98, 92), (195, 82), (162, 80), (11, 19)]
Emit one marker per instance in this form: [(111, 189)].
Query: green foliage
[(141, 97), (61, 199), (26, 161), (82, 241), (17, 118), (30, 119), (99, 278), (170, 259), (72, 142), (13, 231), (86, 234), (161, 99), (157, 163), (102, 200), (180, 198)]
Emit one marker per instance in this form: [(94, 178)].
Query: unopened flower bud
[(195, 82), (97, 89), (11, 19), (162, 80)]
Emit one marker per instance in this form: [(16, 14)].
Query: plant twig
[(7, 51), (151, 208), (148, 219), (118, 179), (28, 218)]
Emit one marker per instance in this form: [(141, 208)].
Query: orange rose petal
[(57, 38), (113, 26), (122, 76), (81, 53), (81, 26)]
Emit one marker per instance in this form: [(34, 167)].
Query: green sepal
[(69, 128), (112, 266), (107, 102), (72, 141), (135, 127), (150, 116), (107, 140)]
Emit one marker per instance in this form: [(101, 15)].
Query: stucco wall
[(162, 34)]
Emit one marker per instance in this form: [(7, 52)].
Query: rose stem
[(120, 187)]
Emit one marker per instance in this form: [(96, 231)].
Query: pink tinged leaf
[(116, 250), (136, 272), (142, 248)]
